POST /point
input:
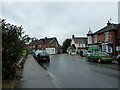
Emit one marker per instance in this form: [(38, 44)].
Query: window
[(95, 39), (104, 48), (106, 36), (52, 50), (89, 40), (82, 45), (109, 49)]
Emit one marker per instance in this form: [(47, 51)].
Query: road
[(72, 71)]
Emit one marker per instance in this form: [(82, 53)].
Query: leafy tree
[(66, 44), (13, 42)]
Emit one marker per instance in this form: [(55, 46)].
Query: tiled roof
[(42, 41), (108, 28), (118, 26), (80, 40), (72, 47), (33, 42)]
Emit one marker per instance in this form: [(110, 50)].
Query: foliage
[(13, 43), (66, 44)]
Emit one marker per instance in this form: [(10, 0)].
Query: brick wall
[(101, 37), (93, 39), (54, 44), (118, 34), (45, 46), (111, 36)]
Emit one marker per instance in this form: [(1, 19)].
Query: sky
[(59, 19)]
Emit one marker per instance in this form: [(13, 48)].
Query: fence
[(19, 67)]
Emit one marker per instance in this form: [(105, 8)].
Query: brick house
[(50, 45), (106, 39), (77, 44)]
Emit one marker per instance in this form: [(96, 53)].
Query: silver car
[(86, 53)]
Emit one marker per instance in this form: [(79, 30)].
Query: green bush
[(12, 44)]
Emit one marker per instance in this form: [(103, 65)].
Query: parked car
[(118, 59), (100, 57), (43, 56), (85, 53), (35, 53)]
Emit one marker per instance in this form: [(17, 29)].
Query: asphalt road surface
[(72, 71)]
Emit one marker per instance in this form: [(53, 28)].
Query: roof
[(108, 28), (89, 32), (46, 41), (72, 47), (42, 41), (33, 42), (79, 40)]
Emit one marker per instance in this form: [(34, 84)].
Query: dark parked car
[(100, 57), (35, 53), (43, 56)]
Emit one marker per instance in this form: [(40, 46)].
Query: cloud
[(59, 19)]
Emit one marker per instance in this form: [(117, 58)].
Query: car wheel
[(35, 57), (48, 60), (118, 60), (87, 59), (99, 60)]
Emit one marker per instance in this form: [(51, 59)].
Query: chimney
[(45, 38), (73, 36), (108, 23)]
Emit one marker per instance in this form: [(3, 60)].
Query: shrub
[(13, 43)]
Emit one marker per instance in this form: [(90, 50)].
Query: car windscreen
[(45, 54), (38, 52), (96, 53)]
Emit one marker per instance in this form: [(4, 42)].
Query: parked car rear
[(35, 53), (43, 56), (100, 57)]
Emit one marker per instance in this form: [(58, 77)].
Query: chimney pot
[(73, 36), (108, 23)]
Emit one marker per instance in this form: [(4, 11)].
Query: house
[(77, 44), (50, 45), (106, 39)]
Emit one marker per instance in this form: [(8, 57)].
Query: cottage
[(77, 44), (106, 39)]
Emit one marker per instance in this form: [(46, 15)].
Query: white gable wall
[(51, 50), (73, 42), (77, 45)]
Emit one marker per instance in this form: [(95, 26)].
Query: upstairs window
[(95, 39), (106, 36), (89, 40)]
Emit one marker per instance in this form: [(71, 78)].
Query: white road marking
[(55, 81)]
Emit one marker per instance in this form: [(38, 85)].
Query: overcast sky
[(59, 19)]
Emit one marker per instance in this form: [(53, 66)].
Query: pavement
[(35, 76)]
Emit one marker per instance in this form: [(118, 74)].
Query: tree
[(66, 44), (13, 42)]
